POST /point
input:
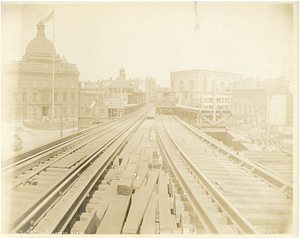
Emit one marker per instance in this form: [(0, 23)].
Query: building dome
[(40, 44)]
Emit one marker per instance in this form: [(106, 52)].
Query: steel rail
[(23, 223), (65, 217), (285, 186), (207, 220), (29, 163), (91, 134), (27, 155), (243, 223)]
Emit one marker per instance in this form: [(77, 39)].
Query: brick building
[(251, 102)]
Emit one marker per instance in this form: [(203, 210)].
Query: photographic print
[(150, 118)]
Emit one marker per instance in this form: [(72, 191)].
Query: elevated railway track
[(249, 198), (143, 174)]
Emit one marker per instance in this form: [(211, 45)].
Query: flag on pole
[(49, 17)]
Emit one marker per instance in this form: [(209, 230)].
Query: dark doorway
[(45, 111)]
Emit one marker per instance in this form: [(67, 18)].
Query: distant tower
[(122, 72)]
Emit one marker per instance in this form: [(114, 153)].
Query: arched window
[(191, 86), (181, 86)]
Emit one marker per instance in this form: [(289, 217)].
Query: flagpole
[(53, 68)]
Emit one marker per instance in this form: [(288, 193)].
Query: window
[(65, 96), (204, 86), (55, 97), (65, 110), (24, 97), (34, 97), (73, 96), (15, 97), (16, 112), (73, 110), (245, 109), (45, 97), (24, 111), (45, 83), (250, 110), (73, 83), (34, 112), (24, 82), (55, 83), (65, 83), (34, 83)]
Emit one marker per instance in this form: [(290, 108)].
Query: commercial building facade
[(261, 102), (190, 85)]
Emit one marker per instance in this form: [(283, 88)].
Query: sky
[(156, 38)]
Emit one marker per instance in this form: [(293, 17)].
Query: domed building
[(27, 83)]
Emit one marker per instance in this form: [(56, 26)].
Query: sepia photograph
[(150, 118)]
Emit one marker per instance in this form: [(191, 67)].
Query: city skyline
[(157, 38)]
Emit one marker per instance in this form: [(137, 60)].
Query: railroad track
[(278, 163), (63, 143), (118, 183), (229, 193), (30, 187)]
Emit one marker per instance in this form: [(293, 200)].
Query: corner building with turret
[(27, 84)]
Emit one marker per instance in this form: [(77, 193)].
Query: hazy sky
[(155, 38)]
